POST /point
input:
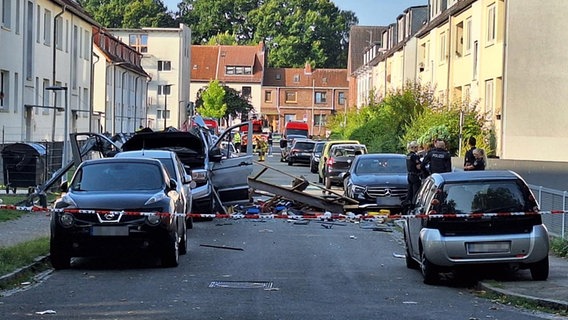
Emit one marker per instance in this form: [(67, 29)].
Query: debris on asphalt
[(221, 247), (46, 312), (301, 222)]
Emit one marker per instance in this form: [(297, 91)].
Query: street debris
[(46, 312), (221, 247)]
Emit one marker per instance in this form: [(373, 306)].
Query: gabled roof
[(285, 77), (359, 37), (208, 62), (120, 54)]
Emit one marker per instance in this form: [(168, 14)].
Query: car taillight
[(294, 151), (330, 161)]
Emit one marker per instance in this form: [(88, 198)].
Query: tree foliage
[(233, 101), (129, 13), (213, 101)]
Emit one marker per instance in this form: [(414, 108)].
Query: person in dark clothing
[(438, 159), (469, 158), (479, 162), (270, 141), (414, 168)]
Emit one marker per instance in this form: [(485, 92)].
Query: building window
[(139, 42), (491, 24), (296, 78), (235, 70), (47, 27), (289, 117), (7, 14), (87, 45), (38, 24), (164, 65), (163, 114), (459, 39), (4, 87), (467, 36), (489, 95), (164, 89), (475, 53), (267, 96), (246, 92), (319, 120), (321, 97), (442, 47), (29, 39), (341, 98), (59, 33), (291, 96), (18, 18), (46, 95), (278, 76)]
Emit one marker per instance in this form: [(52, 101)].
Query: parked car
[(325, 155), (176, 170), (211, 172), (437, 240), (301, 151), (286, 144), (377, 181), (340, 158), (90, 218), (316, 154)]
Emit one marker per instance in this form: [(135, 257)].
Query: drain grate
[(241, 284)]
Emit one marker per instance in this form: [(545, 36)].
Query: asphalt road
[(251, 269)]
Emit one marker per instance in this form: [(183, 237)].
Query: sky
[(369, 12)]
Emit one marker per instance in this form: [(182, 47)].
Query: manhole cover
[(241, 284)]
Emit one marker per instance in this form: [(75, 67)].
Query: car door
[(230, 174), (414, 224)]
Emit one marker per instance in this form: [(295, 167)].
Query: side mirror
[(215, 155), (173, 184), (64, 186)]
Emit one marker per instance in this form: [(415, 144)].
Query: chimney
[(308, 68)]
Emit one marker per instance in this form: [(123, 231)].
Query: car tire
[(313, 169), (410, 262), (170, 255), (320, 180), (539, 270), (183, 242), (327, 183), (189, 223), (429, 270), (290, 163), (59, 255)]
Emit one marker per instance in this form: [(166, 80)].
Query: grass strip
[(23, 254)]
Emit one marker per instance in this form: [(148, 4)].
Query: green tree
[(129, 13), (223, 39), (213, 101), (234, 101)]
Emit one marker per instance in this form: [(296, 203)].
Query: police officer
[(438, 159), (469, 159), (413, 167), (237, 141)]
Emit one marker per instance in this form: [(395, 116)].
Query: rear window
[(380, 166), (319, 147), (304, 146), (118, 176), (484, 197)]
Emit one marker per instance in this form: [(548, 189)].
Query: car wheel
[(170, 255), (320, 180), (290, 162), (327, 183), (59, 255), (429, 270), (189, 223), (313, 169), (539, 270)]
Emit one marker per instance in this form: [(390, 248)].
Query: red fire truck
[(257, 132)]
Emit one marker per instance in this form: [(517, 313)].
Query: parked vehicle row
[(139, 199)]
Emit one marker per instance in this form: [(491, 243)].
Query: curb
[(547, 303), (12, 276)]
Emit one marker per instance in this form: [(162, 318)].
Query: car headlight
[(199, 175), (156, 198), (358, 191), (65, 202), (66, 220)]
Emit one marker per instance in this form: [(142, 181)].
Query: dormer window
[(238, 70)]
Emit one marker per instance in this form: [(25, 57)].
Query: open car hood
[(159, 140)]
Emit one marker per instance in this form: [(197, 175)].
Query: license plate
[(489, 247), (113, 231)]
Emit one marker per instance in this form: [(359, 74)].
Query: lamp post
[(66, 121), (166, 92)]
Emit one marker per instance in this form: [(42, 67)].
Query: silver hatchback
[(475, 217)]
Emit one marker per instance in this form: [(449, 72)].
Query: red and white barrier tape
[(282, 216)]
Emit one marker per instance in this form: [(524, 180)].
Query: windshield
[(482, 196), (298, 132), (380, 166), (118, 177)]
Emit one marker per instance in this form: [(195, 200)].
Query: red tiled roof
[(206, 59), (321, 78)]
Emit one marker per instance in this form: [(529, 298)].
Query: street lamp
[(166, 92), (66, 121)]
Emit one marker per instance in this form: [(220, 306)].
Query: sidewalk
[(552, 293)]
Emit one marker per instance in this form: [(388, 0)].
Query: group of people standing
[(437, 160)]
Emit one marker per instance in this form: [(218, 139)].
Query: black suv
[(301, 151)]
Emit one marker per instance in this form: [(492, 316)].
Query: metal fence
[(552, 199)]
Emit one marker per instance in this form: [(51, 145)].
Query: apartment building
[(166, 57), (503, 58), (238, 67), (304, 94), (120, 86), (45, 70)]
